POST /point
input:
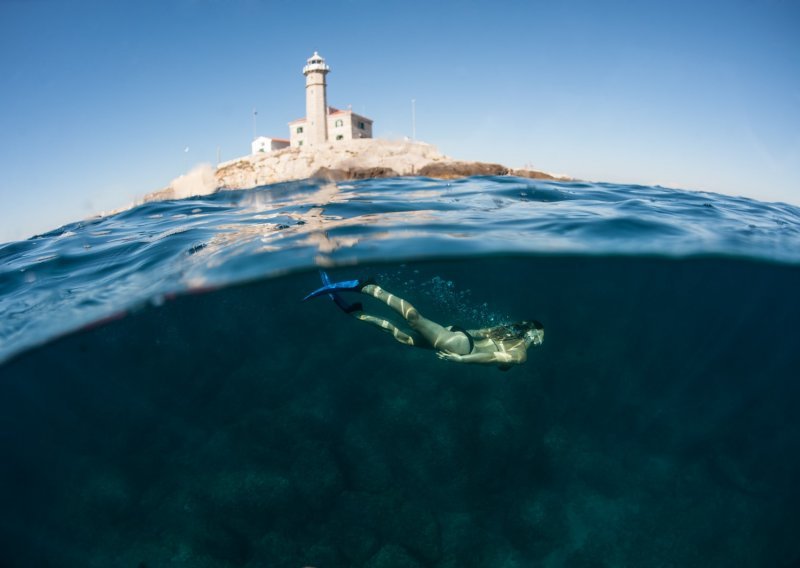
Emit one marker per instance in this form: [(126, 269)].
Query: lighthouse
[(315, 71), (323, 124)]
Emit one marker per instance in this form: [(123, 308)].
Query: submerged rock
[(316, 475), (392, 556), (365, 455), (274, 549), (251, 491)]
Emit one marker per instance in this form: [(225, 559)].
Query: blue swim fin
[(331, 288), (326, 281), (337, 299)]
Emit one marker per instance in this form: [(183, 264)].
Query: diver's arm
[(510, 357)]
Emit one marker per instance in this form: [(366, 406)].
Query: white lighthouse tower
[(316, 100), (323, 124)]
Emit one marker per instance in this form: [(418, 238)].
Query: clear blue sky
[(99, 100)]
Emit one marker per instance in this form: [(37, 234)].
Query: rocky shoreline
[(352, 160), (442, 170)]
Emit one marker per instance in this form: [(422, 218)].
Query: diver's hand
[(448, 356)]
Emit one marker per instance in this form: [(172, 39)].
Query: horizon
[(102, 101)]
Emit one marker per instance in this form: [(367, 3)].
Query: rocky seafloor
[(656, 426)]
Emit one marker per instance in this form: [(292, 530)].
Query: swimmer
[(502, 345)]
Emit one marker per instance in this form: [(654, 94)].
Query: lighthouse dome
[(315, 63)]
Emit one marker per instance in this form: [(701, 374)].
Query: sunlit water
[(167, 400)]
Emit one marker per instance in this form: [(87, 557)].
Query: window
[(361, 125), (340, 137), (339, 122), (300, 143), (299, 129)]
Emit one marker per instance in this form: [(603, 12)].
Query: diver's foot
[(353, 309), (365, 283), (371, 288), (345, 306)]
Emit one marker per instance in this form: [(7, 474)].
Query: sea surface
[(167, 400)]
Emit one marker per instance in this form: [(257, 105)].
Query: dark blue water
[(166, 400)]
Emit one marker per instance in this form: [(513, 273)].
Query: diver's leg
[(440, 337), (397, 303), (389, 327)]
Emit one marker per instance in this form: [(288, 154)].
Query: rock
[(103, 496), (535, 523), (274, 549), (334, 175), (451, 170), (329, 174), (369, 173), (415, 527), (200, 180), (315, 475), (392, 556), (354, 523), (234, 167), (364, 453), (319, 554), (363, 521), (250, 492), (533, 174), (463, 540)]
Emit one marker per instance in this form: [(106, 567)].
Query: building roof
[(271, 138), (334, 110)]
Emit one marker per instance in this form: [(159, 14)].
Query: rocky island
[(330, 144), (335, 161)]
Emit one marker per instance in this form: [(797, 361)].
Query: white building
[(266, 144), (323, 123)]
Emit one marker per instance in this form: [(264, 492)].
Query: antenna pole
[(413, 119), (255, 114)]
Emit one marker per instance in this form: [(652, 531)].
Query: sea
[(168, 400)]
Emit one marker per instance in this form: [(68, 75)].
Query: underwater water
[(166, 399)]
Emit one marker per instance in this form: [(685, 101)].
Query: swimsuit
[(459, 329)]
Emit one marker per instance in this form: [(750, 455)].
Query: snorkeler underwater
[(501, 345), (167, 399)]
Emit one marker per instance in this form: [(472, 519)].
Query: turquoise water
[(167, 400)]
